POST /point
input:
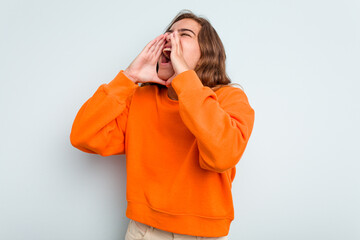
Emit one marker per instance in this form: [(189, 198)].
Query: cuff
[(120, 84), (187, 81)]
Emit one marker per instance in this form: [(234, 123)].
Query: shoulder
[(235, 102), (147, 89), (231, 94)]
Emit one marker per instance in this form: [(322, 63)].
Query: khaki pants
[(139, 231)]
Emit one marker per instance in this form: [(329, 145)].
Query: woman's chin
[(165, 75)]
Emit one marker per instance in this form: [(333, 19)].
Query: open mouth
[(166, 55)]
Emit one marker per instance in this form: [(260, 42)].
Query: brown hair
[(211, 65)]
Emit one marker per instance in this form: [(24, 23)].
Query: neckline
[(166, 97)]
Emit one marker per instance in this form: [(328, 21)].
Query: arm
[(222, 125), (99, 126)]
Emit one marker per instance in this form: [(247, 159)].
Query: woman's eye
[(185, 34)]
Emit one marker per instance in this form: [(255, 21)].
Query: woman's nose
[(168, 36)]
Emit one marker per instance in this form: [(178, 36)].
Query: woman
[(183, 131)]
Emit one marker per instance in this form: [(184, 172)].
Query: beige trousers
[(139, 231)]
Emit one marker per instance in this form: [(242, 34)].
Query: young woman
[(183, 130)]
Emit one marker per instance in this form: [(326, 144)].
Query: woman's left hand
[(177, 60)]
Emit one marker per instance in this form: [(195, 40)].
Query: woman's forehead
[(186, 24)]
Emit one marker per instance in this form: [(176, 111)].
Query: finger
[(177, 40), (155, 47), (159, 48), (158, 39), (166, 34), (160, 81), (173, 43), (157, 52), (150, 44), (178, 44), (168, 82)]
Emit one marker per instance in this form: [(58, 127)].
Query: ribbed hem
[(185, 81), (189, 87), (121, 85), (180, 224)]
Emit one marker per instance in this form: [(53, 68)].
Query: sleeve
[(99, 126), (221, 125)]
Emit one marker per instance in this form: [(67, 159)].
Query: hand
[(177, 60), (143, 67)]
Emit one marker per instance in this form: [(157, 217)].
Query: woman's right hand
[(143, 67)]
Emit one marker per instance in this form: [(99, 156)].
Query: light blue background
[(297, 60)]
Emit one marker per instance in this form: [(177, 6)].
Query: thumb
[(168, 82), (156, 79)]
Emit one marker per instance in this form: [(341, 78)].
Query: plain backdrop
[(298, 62)]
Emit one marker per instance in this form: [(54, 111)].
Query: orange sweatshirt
[(180, 155)]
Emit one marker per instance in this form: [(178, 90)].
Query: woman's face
[(188, 30)]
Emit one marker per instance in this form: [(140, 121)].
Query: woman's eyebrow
[(182, 30)]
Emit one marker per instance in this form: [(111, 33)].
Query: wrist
[(130, 76), (182, 68)]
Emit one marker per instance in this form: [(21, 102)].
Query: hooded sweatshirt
[(180, 154)]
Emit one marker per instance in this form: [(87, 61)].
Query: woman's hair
[(211, 65)]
